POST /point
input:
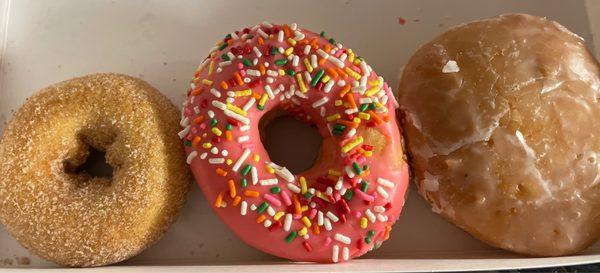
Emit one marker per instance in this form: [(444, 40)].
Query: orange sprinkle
[(365, 173), (316, 229), (375, 117), (224, 85), (238, 78), (327, 48), (237, 200), (287, 31), (256, 95), (199, 119), (347, 123), (332, 72), (221, 172), (342, 72), (261, 41), (350, 99), (386, 118), (322, 61), (230, 41), (344, 90), (261, 218), (297, 207), (250, 193), (313, 43), (197, 91), (263, 69), (231, 185), (386, 235), (196, 140), (219, 199), (304, 42), (228, 136)]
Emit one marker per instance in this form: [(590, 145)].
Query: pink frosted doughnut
[(346, 203)]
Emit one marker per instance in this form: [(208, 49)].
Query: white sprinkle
[(280, 36), (230, 55), (384, 99), (336, 61), (270, 211), (268, 182), (234, 36), (365, 100), (225, 63), (351, 132), (381, 217), (254, 175), (184, 132), (267, 223), (349, 171), (307, 76), (351, 111), (313, 61), (295, 60), (241, 160), (270, 80), (370, 215), (335, 253), (281, 50), (249, 103), (272, 73), (327, 224), (379, 209), (341, 83), (323, 54), (191, 157), (267, 24), (344, 56), (211, 114), (184, 122), (236, 116), (342, 238), (196, 110), (383, 192), (262, 33), (224, 152), (230, 94), (364, 69), (307, 49), (219, 104), (257, 52), (269, 91), (215, 92), (386, 183), (223, 204), (329, 191), (339, 183), (320, 218), (328, 86), (203, 155), (243, 208), (332, 216), (218, 160), (299, 35), (294, 26), (451, 67), (284, 173), (253, 72), (287, 222), (293, 188), (359, 89), (345, 253), (219, 70), (214, 150), (244, 128), (252, 207), (301, 95), (320, 102), (255, 61), (243, 138), (342, 191), (322, 111)]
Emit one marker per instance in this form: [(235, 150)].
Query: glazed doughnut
[(346, 203), (500, 117), (73, 218)]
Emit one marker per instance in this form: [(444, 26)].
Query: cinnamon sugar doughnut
[(501, 119), (72, 218)]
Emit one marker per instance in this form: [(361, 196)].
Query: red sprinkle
[(307, 246)]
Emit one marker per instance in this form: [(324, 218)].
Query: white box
[(163, 41)]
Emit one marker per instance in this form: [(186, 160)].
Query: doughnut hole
[(289, 141)]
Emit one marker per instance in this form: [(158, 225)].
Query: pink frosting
[(358, 223)]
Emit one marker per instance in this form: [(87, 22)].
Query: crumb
[(417, 20), (164, 63), (23, 260), (401, 20), (440, 25), (451, 67)]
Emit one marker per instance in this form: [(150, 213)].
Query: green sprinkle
[(359, 57), (291, 236), (337, 132), (228, 127), (371, 233), (372, 106), (366, 167), (307, 195), (339, 126), (348, 195), (368, 240), (228, 36), (275, 190), (274, 51), (280, 62), (187, 143), (317, 77), (213, 122), (356, 168), (223, 46), (247, 62), (322, 34), (244, 182), (262, 207), (332, 41), (260, 107), (224, 57), (364, 107), (246, 169), (364, 186), (291, 72)]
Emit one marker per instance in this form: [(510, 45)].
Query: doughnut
[(500, 121), (342, 206), (73, 218)]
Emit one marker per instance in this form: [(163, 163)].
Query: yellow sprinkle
[(378, 104), (364, 116), (304, 208), (281, 72), (334, 172), (278, 215), (363, 222), (228, 161), (235, 109), (211, 68), (263, 99), (242, 93), (322, 196), (352, 73), (357, 62), (291, 41), (356, 120), (269, 169), (301, 82), (306, 221), (350, 56), (303, 231), (288, 51), (334, 117), (368, 153), (309, 67), (216, 131), (338, 102), (256, 157), (374, 82), (325, 79), (353, 143), (303, 185), (372, 91), (206, 145), (207, 82)]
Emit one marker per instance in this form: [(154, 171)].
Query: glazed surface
[(69, 217), (501, 121), (346, 203)]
